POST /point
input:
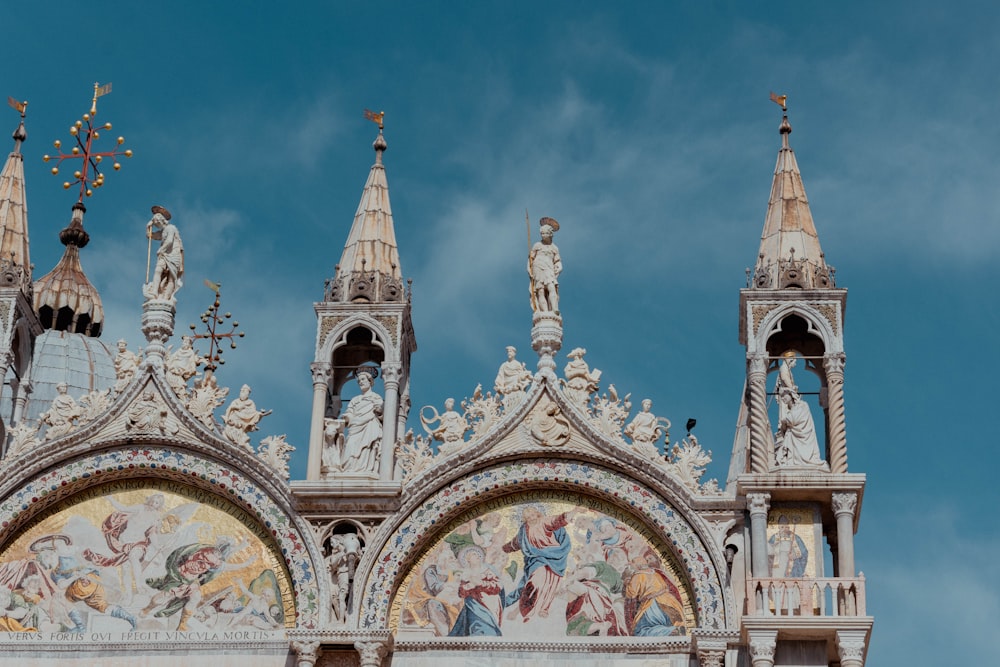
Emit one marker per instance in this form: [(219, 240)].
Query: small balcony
[(804, 598)]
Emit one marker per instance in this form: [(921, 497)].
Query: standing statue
[(363, 418), (169, 270), (126, 364), (544, 267), (580, 381), (795, 443), (182, 366), (512, 379), (345, 552), (241, 418)]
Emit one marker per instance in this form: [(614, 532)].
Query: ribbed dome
[(64, 298)]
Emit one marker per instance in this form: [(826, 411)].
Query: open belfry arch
[(546, 517)]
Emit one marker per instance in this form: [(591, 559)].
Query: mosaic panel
[(794, 541), (694, 563)]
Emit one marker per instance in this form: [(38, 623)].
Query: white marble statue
[(147, 414), (182, 364), (451, 426), (363, 418), (646, 428), (795, 444), (580, 381), (126, 364), (345, 552), (544, 267), (512, 379), (241, 418), (168, 273), (62, 415)]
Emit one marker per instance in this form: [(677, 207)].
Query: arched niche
[(211, 529), (361, 341), (504, 490)]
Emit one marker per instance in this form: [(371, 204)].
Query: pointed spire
[(65, 300), (790, 254), (14, 216), (369, 271)]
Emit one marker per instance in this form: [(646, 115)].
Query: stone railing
[(806, 597)]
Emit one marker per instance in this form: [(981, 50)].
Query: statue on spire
[(169, 270), (544, 267)]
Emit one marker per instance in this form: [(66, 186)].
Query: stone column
[(306, 653), (157, 325), (833, 364), (762, 645), (371, 652), (321, 384), (851, 648), (844, 505), (390, 416), (760, 427), (21, 392), (758, 504)]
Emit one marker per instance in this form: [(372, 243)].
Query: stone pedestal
[(157, 326), (546, 340)]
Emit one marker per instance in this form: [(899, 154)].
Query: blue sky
[(647, 132)]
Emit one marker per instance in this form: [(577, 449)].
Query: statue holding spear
[(544, 267), (168, 272)]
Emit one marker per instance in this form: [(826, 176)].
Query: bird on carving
[(690, 424)]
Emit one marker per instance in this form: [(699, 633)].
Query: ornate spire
[(369, 271), (790, 254), (15, 263)]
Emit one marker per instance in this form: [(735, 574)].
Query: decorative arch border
[(817, 319), (162, 462), (424, 522), (358, 319)]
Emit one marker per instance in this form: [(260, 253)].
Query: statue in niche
[(126, 365), (544, 267), (795, 444), (345, 552), (451, 426), (363, 418), (241, 418), (62, 415), (169, 270), (182, 365), (512, 379), (646, 428), (580, 381)]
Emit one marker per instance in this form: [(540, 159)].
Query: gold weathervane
[(89, 176), (19, 106), (375, 117), (780, 100), (212, 321)]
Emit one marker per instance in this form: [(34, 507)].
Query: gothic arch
[(818, 324)]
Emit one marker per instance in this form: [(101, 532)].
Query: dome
[(84, 363)]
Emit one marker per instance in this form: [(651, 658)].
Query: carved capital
[(757, 365), (845, 503), (851, 647), (371, 652), (758, 504), (711, 658), (762, 646), (391, 373), (306, 652), (834, 363), (321, 372)]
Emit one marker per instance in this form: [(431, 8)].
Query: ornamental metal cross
[(212, 320), (89, 177)]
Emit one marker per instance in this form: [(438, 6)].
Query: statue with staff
[(168, 272), (544, 267)]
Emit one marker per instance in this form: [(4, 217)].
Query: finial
[(19, 134), (785, 128), (212, 319), (380, 146), (85, 133)]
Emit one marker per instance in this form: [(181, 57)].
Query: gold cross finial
[(212, 321), (85, 132)]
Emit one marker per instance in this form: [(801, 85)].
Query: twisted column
[(760, 427), (833, 364), (757, 505)]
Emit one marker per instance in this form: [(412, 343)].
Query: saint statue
[(580, 381), (241, 418), (169, 269), (126, 364), (795, 443), (512, 379), (646, 428), (544, 267), (451, 426), (182, 365), (62, 415), (363, 418)]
